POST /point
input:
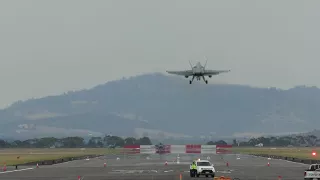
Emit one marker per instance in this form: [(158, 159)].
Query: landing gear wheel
[(190, 82), (206, 81)]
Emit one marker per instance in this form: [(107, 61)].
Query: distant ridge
[(167, 104)]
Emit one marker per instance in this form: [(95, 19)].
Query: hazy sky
[(49, 47)]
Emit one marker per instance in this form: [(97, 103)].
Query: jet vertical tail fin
[(205, 57), (190, 64)]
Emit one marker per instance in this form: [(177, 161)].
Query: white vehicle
[(204, 167), (313, 172)]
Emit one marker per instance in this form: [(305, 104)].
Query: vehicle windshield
[(203, 164)]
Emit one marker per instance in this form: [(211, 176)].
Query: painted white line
[(168, 171), (226, 172), (292, 162), (60, 163), (16, 170), (283, 160)]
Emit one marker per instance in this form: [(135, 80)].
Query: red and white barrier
[(147, 149), (208, 149), (178, 149), (193, 149), (132, 149)]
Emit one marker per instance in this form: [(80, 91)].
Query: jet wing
[(181, 73), (214, 72)]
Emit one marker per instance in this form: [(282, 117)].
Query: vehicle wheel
[(207, 175), (212, 175)]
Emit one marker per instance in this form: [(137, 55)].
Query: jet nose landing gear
[(190, 82), (206, 81)]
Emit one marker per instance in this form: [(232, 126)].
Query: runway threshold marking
[(16, 170)]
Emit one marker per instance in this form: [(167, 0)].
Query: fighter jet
[(198, 71), (160, 148)]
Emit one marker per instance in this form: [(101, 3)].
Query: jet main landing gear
[(198, 78), (190, 82), (206, 81)]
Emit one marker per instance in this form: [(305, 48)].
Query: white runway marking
[(16, 170), (283, 160), (132, 171), (292, 162), (227, 172)]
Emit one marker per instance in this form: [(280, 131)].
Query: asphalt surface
[(137, 167)]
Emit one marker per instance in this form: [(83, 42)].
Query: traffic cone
[(104, 164), (166, 163), (279, 177), (5, 167), (37, 165), (79, 177), (268, 164), (227, 164), (180, 176)]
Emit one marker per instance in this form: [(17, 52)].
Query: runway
[(137, 167)]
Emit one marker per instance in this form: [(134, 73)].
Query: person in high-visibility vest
[(194, 166), (193, 169)]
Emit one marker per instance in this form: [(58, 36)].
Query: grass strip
[(10, 156), (298, 152)]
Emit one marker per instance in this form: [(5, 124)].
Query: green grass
[(303, 152), (9, 156)]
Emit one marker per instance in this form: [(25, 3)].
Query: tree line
[(284, 141), (116, 141), (75, 142)]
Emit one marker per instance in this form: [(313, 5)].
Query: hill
[(166, 104)]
